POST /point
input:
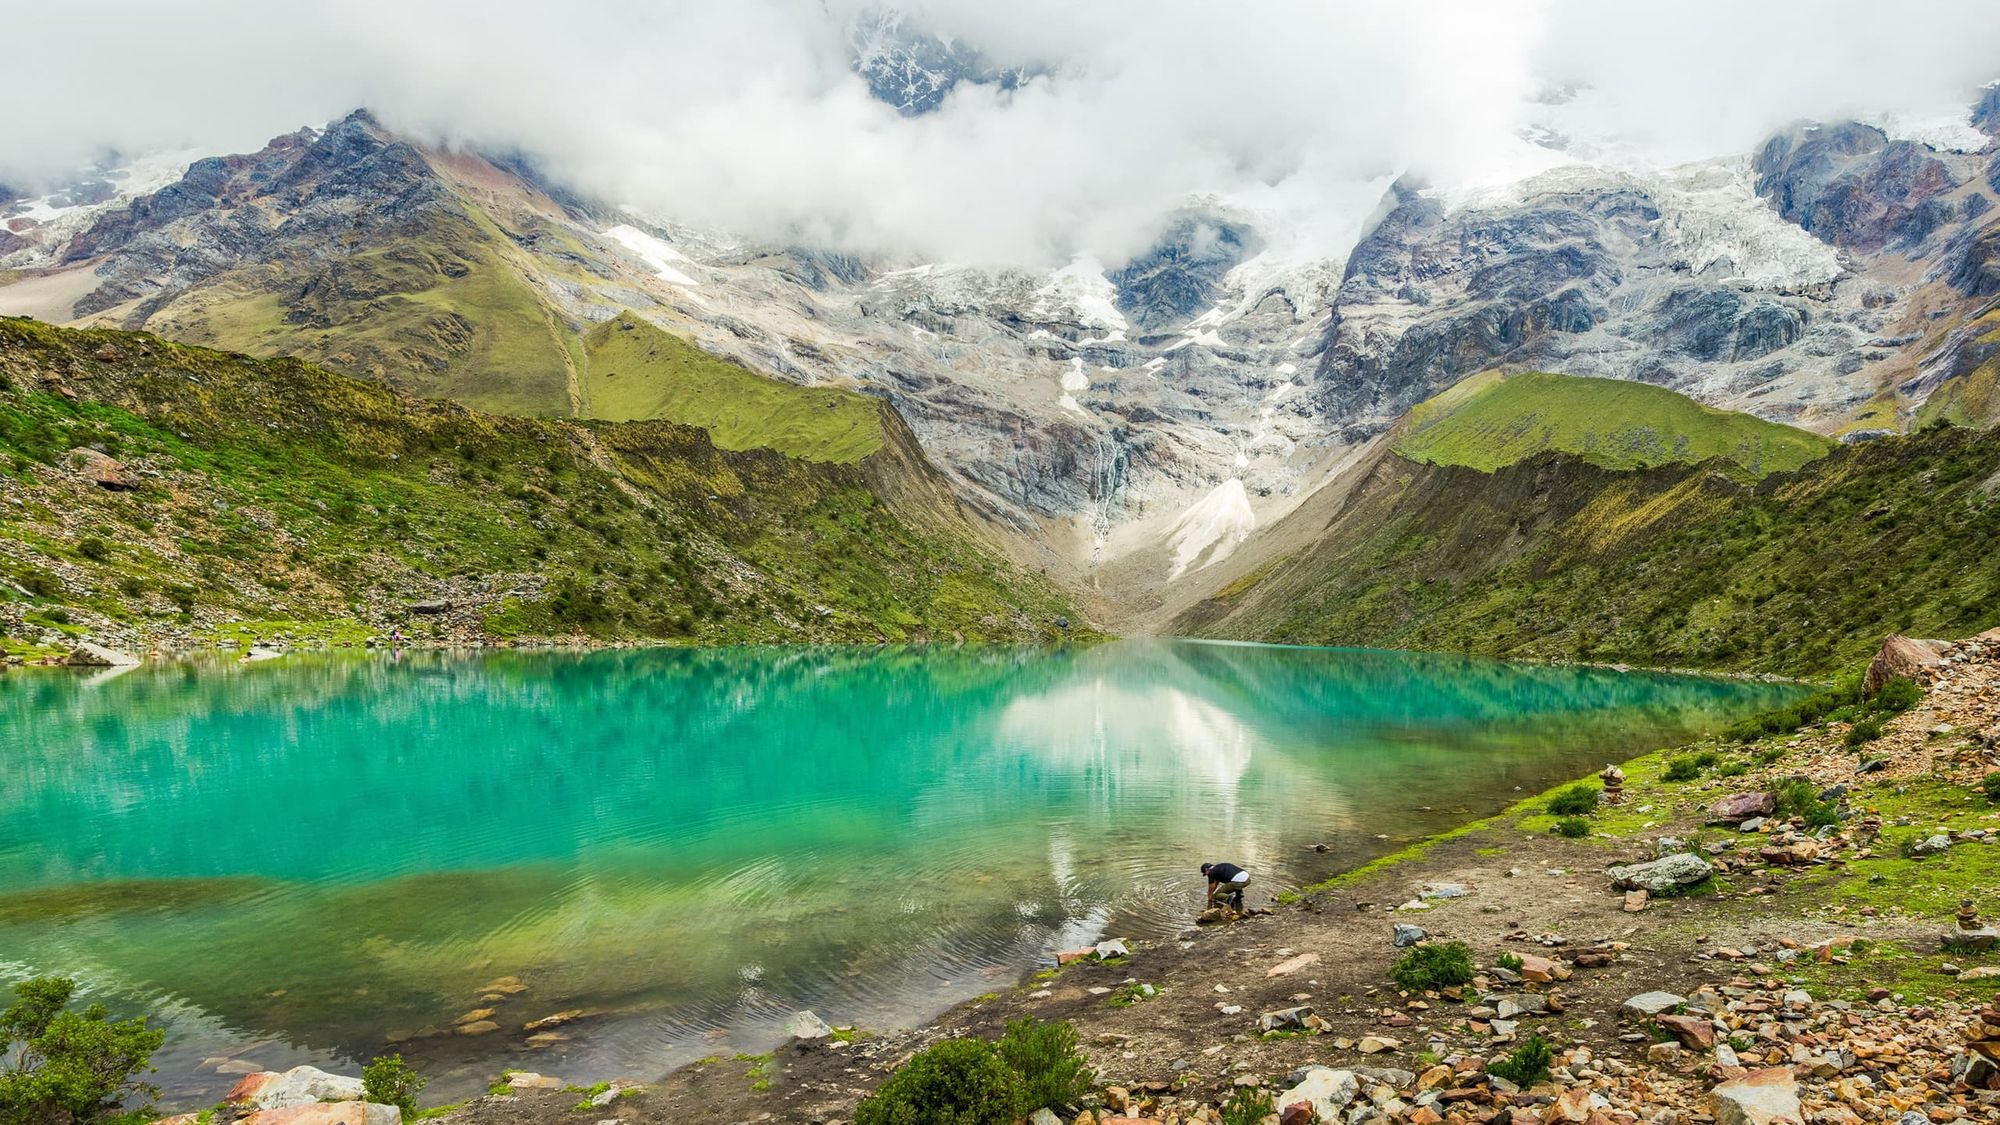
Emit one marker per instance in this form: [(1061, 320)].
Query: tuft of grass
[(1578, 800), (1526, 1065), (1432, 966), (1572, 827)]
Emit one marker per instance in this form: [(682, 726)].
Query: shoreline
[(1787, 913)]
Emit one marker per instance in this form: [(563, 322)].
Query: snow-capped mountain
[(1133, 419)]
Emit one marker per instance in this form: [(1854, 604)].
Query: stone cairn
[(1970, 935), (1614, 785)]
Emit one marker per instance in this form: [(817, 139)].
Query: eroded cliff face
[(1149, 413)]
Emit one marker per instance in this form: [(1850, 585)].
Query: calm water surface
[(307, 859)]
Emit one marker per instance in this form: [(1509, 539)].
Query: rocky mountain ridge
[(1122, 424)]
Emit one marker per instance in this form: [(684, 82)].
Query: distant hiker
[(1229, 880)]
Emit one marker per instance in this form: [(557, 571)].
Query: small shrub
[(1798, 797), (1526, 1065), (1053, 1073), (1687, 767), (956, 1082), (71, 1067), (388, 1080), (1578, 800), (1247, 1107), (1572, 827), (1898, 695), (1991, 785), (1433, 965), (1509, 962), (1863, 732), (1732, 769), (93, 548)]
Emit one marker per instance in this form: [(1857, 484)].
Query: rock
[(1326, 1090), (1407, 935), (332, 1113), (1072, 956), (430, 608), (1663, 1054), (1284, 1019), (1044, 1116), (1931, 845), (1695, 1032), (1901, 656), (1635, 901), (1739, 807), (1662, 876), (88, 655), (1292, 965), (478, 1027), (1116, 947), (1977, 940), (301, 1085), (1444, 890), (1668, 845), (1298, 1113), (1542, 970), (1762, 1097), (100, 469), (555, 1020), (1655, 1003), (807, 1025), (1377, 1044), (1754, 824), (528, 1080)]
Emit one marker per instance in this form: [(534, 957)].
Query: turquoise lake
[(307, 859)]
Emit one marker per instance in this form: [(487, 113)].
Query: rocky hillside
[(1687, 562), (159, 493)]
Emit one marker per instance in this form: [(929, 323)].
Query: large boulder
[(301, 1085), (1328, 1091), (1902, 656), (1762, 1097), (327, 1113), (1662, 876), (100, 469), (1739, 807)]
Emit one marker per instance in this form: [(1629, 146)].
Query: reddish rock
[(1739, 807), (100, 470), (1695, 1032), (1901, 656)]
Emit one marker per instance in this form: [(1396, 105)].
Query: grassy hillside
[(637, 370), (440, 309), (1493, 420), (1801, 573), (274, 495)]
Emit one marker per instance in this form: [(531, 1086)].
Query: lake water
[(307, 859)]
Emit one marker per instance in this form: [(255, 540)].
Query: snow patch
[(1082, 288), (1074, 379), (653, 252), (1214, 527), (1948, 131), (1207, 337)]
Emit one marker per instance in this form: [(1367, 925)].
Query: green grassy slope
[(1971, 398), (439, 309), (1678, 565), (635, 369), (1493, 420), (272, 490)]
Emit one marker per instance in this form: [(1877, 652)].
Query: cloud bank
[(747, 114)]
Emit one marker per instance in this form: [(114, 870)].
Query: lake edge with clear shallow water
[(301, 860)]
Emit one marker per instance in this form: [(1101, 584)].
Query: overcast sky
[(746, 114)]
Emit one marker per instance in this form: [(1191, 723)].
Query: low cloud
[(747, 114)]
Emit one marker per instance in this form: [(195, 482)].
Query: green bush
[(1526, 1065), (1247, 1107), (1865, 731), (1433, 965), (1578, 800), (1572, 827), (1991, 784), (1053, 1073), (956, 1082), (1798, 797), (1687, 767), (1898, 695), (71, 1068), (389, 1081)]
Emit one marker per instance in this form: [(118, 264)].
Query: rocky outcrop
[(1662, 876), (1850, 185), (1902, 656), (301, 1085), (89, 655)]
